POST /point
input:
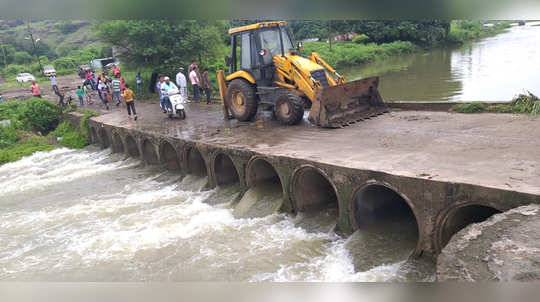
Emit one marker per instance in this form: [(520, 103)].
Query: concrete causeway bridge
[(445, 170)]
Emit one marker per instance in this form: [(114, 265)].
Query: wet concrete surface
[(492, 150)]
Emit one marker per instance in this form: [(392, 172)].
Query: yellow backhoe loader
[(266, 69)]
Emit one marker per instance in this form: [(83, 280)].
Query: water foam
[(136, 225)]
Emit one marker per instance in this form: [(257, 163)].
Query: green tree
[(22, 57), (164, 45)]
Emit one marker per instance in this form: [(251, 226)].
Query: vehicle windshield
[(270, 42)]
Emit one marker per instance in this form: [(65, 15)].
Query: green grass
[(70, 137), (474, 107), (83, 127), (344, 54), (463, 31), (523, 103)]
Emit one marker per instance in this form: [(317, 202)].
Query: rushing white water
[(88, 215)]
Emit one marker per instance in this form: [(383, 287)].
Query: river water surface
[(491, 69), (89, 215)]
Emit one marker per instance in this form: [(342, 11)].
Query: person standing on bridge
[(139, 82), (128, 95), (116, 87), (158, 86), (181, 82), (206, 86), (194, 79)]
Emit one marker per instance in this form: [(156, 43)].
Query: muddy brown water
[(89, 215), (491, 69)]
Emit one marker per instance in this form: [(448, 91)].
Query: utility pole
[(34, 44), (5, 57), (330, 34)]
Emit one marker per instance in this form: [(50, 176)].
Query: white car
[(49, 70), (25, 77)]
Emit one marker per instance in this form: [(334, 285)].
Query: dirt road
[(67, 84)]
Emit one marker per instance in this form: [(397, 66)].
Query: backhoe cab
[(265, 68)]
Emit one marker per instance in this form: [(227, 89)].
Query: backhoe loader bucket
[(348, 103)]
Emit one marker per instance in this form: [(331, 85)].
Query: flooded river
[(491, 69), (89, 215)]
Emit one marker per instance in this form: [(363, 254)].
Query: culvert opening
[(117, 144), (131, 147), (225, 171), (312, 190), (169, 157), (265, 193), (387, 230), (149, 153), (461, 217), (93, 135), (104, 138), (195, 163)]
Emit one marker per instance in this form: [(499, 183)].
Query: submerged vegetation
[(523, 103), (34, 125)]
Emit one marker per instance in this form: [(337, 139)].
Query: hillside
[(59, 36)]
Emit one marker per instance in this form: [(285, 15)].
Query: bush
[(40, 114), (536, 108), (65, 63), (22, 57), (343, 54), (14, 69), (8, 136), (524, 102), (500, 108), (361, 39), (70, 137), (474, 107)]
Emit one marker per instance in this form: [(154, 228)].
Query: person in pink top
[(35, 90), (194, 79)]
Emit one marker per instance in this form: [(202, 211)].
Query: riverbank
[(345, 54), (464, 31), (37, 125)]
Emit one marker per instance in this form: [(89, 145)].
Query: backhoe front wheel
[(242, 100), (289, 109)]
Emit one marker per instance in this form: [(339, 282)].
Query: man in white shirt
[(166, 86), (181, 82), (194, 79)]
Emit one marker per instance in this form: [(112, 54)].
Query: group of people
[(198, 82), (109, 90), (116, 90)]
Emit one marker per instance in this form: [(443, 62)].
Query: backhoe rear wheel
[(289, 109), (242, 99)]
